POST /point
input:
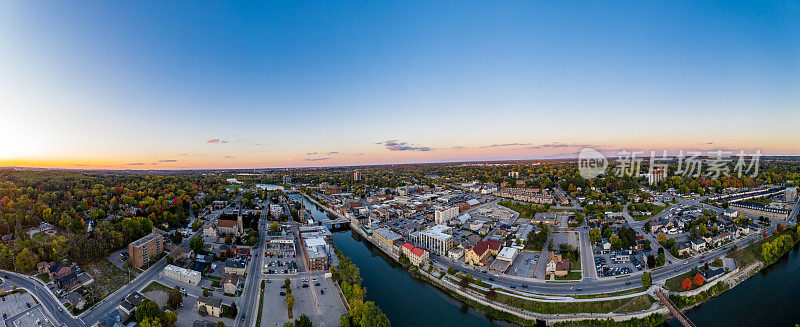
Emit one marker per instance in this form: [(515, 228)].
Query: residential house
[(209, 306)]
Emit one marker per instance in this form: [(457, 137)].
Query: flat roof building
[(142, 250)]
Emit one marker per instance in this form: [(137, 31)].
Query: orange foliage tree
[(698, 279), (686, 284)]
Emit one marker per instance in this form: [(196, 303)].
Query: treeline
[(93, 213), (773, 250), (364, 314)]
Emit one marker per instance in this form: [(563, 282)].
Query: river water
[(770, 298)]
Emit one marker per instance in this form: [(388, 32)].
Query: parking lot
[(617, 263), (318, 300), (15, 303), (280, 266), (524, 264)]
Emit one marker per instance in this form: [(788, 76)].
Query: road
[(252, 288), (594, 284)]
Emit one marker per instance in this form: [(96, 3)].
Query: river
[(770, 298)]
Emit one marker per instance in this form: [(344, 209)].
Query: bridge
[(677, 313), (336, 223)]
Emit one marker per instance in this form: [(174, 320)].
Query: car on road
[(316, 284), (512, 286), (305, 285), (579, 288)]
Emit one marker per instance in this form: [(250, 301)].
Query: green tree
[(175, 298), (646, 279), (303, 321), (274, 227), (170, 317), (197, 244), (147, 309)]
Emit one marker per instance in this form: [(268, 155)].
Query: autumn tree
[(686, 284), (698, 279)]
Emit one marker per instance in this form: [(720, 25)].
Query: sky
[(223, 84)]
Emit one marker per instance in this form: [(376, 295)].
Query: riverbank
[(494, 314)]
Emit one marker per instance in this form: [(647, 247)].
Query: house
[(698, 245), (129, 304), (210, 231), (43, 267), (557, 265), (683, 249), (58, 271), (713, 273), (230, 283), (233, 266), (209, 306), (76, 300)]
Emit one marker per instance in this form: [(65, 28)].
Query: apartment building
[(146, 248)]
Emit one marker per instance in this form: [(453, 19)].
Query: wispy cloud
[(135, 164), (217, 141), (230, 157), (395, 145), (168, 160), (316, 159), (458, 147), (332, 152), (555, 145), (504, 145), (709, 143), (312, 153)]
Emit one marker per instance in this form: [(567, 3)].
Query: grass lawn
[(618, 293), (44, 277), (654, 211), (572, 275), (674, 283), (640, 303), (564, 307), (107, 277), (153, 286)]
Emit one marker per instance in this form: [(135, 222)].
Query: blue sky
[(112, 84)]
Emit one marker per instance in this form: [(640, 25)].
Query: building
[(386, 236), (757, 210), (209, 306), (234, 266), (231, 227), (656, 176), (414, 254), (514, 174), (436, 239), (356, 175), (287, 179), (58, 270), (129, 304), (477, 254), (183, 275), (556, 265), (683, 249), (730, 213), (698, 245), (504, 260), (317, 253), (209, 231), (442, 215), (790, 194), (144, 249), (276, 210), (230, 283)]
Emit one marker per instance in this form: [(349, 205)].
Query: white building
[(275, 210), (443, 215), (436, 239), (790, 194), (507, 253), (183, 275)]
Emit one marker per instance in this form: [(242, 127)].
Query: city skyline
[(179, 86)]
